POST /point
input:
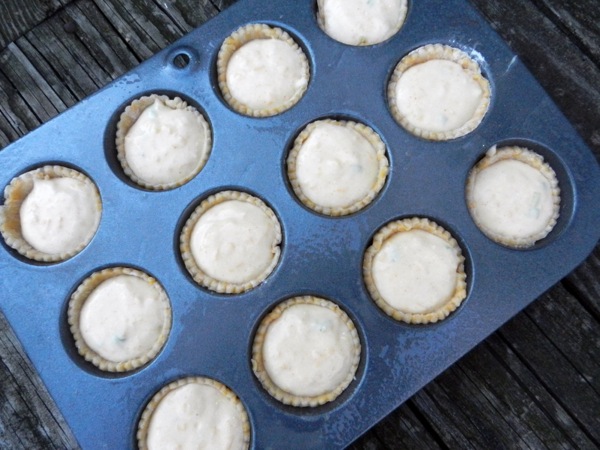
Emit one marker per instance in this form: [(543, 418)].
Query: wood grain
[(18, 16)]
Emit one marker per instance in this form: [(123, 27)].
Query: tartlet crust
[(128, 118), (78, 299), (14, 195), (399, 226), (530, 158), (434, 52), (144, 423), (258, 364), (321, 20), (370, 135), (202, 278), (234, 42)]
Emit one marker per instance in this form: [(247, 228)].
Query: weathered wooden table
[(535, 383)]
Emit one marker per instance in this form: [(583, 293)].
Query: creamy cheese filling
[(122, 318), (59, 215), (166, 145), (336, 166), (513, 199), (438, 95), (309, 350), (362, 22), (266, 73), (196, 417), (234, 241), (416, 271)]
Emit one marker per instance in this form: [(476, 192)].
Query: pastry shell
[(128, 118), (436, 52), (235, 41), (403, 225), (371, 136), (258, 364), (530, 158), (14, 195), (145, 420), (77, 301), (322, 19), (207, 281)]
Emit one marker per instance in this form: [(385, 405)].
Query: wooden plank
[(137, 40), (29, 82), (9, 125), (4, 125), (536, 418), (499, 377), (584, 282), (459, 396), (54, 48), (405, 428), (430, 402), (187, 15), (507, 400), (15, 110), (81, 45), (571, 79), (18, 16), (572, 330), (28, 417), (222, 4), (91, 28), (52, 83), (555, 372), (528, 388), (366, 442), (579, 20), (144, 26)]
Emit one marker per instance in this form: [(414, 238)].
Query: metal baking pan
[(212, 334)]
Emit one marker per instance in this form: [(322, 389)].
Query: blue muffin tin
[(212, 334)]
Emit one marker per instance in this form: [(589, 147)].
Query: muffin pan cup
[(212, 333)]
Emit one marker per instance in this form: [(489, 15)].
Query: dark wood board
[(533, 384)]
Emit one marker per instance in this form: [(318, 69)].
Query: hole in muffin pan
[(68, 340), (565, 184), (468, 268), (188, 211), (110, 134), (13, 252), (344, 396), (214, 74), (289, 144), (181, 60), (182, 57)]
